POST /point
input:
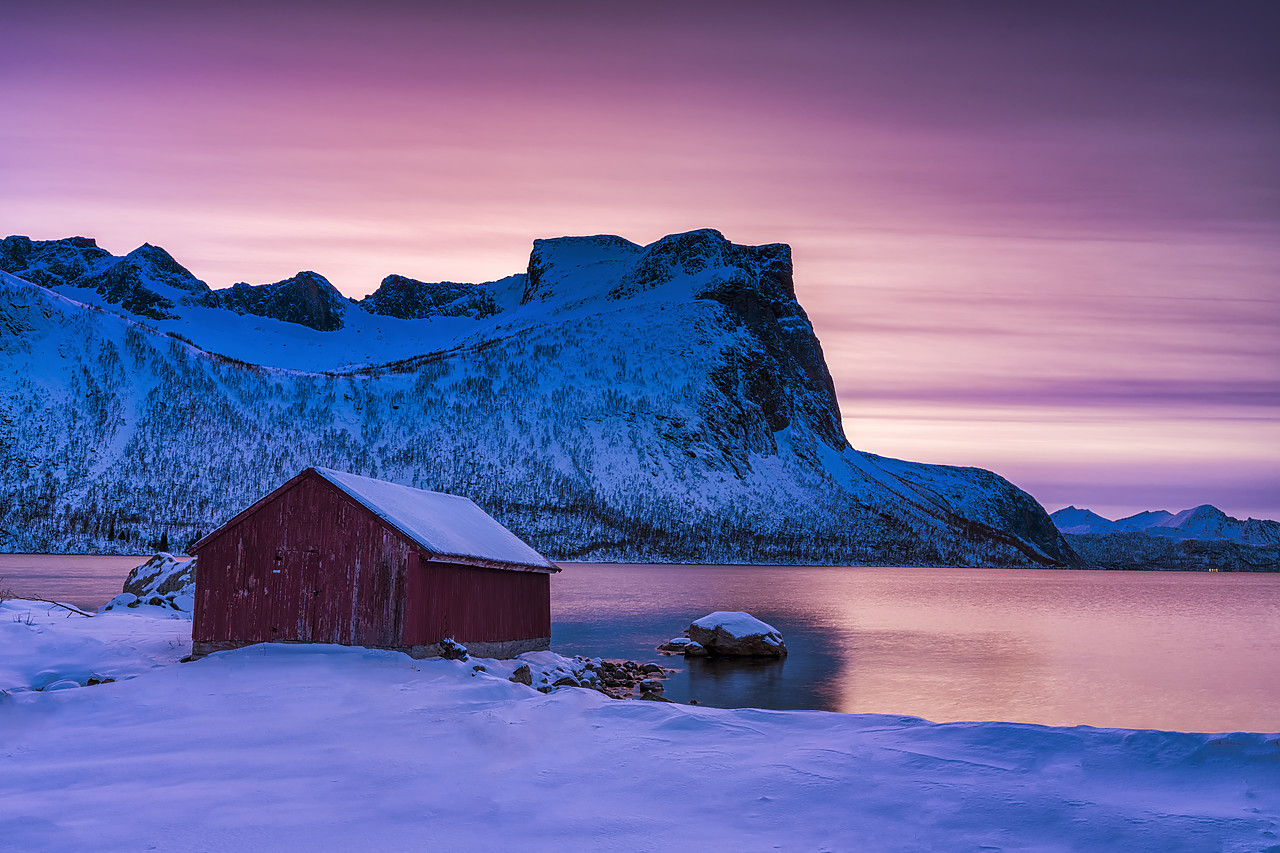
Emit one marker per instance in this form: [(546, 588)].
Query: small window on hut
[(279, 562)]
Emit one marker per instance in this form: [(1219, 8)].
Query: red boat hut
[(331, 557)]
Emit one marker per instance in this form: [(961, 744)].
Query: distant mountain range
[(1202, 522), (667, 402), (1203, 537)]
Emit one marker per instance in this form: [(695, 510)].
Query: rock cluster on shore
[(618, 679)]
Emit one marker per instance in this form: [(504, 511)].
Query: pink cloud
[(1059, 210)]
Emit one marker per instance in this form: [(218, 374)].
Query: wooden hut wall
[(469, 603), (310, 565)]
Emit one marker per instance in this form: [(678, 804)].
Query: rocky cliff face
[(307, 299), (52, 262), (410, 299), (136, 282), (667, 402)]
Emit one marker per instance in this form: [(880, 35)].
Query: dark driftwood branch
[(70, 607)]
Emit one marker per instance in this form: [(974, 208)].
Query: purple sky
[(1039, 238)]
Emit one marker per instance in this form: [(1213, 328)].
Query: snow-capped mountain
[(666, 402), (1203, 522), (1072, 520), (1196, 539)]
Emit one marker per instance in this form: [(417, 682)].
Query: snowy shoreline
[(337, 748)]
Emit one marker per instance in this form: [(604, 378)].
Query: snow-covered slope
[(615, 401)]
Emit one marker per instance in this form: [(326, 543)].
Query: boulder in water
[(736, 634)]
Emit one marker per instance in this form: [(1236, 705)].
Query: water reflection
[(85, 580), (944, 676), (1126, 649), (736, 684)]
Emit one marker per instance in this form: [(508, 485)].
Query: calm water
[(85, 580), (1187, 651)]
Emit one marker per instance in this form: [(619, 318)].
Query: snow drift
[(336, 748)]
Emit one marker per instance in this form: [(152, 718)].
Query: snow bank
[(42, 646), (336, 748)]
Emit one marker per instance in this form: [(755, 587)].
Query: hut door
[(293, 596)]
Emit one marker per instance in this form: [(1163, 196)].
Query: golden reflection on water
[(1183, 651), (1134, 650)]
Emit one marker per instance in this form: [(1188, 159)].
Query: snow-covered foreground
[(44, 647), (333, 748)]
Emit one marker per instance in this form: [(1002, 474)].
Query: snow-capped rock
[(683, 646), (124, 599), (737, 634), (164, 580)]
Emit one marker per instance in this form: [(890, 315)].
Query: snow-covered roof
[(446, 525)]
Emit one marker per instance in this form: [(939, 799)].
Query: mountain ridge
[(666, 402), (1205, 522), (1198, 539)]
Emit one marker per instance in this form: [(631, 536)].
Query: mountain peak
[(560, 264), (306, 298), (408, 298), (153, 265), (1202, 523), (702, 261), (1073, 519)]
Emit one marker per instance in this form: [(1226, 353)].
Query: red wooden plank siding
[(470, 603)]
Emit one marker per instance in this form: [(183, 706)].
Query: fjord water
[(1164, 650), (85, 580)]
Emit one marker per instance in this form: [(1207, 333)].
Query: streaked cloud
[(1061, 214)]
